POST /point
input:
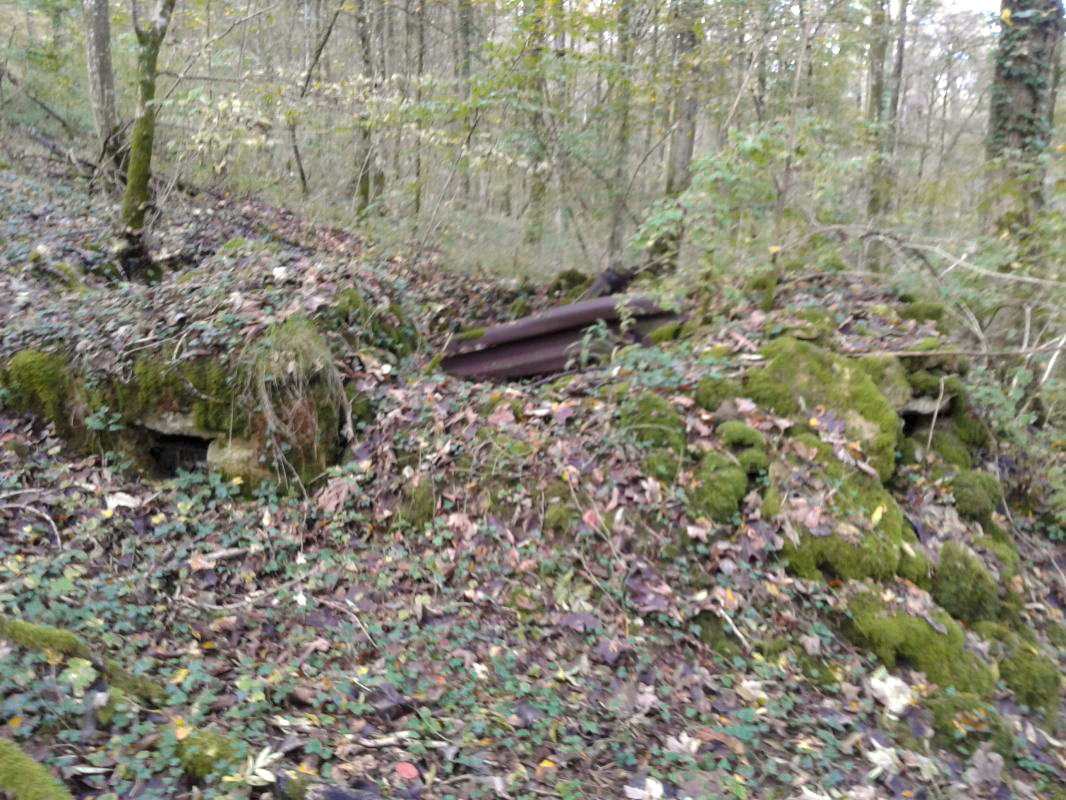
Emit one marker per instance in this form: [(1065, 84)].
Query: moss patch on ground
[(204, 752), (963, 721), (40, 382), (654, 422), (711, 392), (22, 778), (897, 637), (800, 376), (721, 487)]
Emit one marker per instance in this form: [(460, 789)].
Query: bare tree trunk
[(101, 77), (420, 62), (135, 201), (875, 106), (620, 112), (364, 152), (466, 28), (1019, 119), (534, 80)]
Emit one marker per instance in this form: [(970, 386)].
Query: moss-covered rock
[(238, 460), (665, 333), (963, 721), (977, 494), (890, 377), (963, 587), (654, 422), (711, 392), (1033, 677), (204, 752), (947, 445), (896, 636), (927, 384), (22, 778), (721, 487), (801, 376), (737, 434), (753, 460), (40, 382)]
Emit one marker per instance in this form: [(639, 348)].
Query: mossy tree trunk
[(135, 201), (97, 16), (1019, 119)]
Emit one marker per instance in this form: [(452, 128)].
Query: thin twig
[(348, 608), (936, 413), (37, 512)]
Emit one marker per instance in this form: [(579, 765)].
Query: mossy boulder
[(1034, 678), (736, 434), (898, 637), (977, 494), (42, 383), (963, 587), (946, 444), (22, 778), (890, 377), (239, 460), (204, 752), (963, 721), (922, 311), (799, 376), (721, 486), (654, 422), (711, 392)]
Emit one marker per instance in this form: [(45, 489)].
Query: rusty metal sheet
[(545, 343)]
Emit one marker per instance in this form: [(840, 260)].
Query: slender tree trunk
[(137, 197), (420, 63), (620, 91), (101, 77), (466, 28), (534, 80), (1019, 119), (364, 152), (875, 106)]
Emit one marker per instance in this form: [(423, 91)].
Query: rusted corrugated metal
[(545, 343)]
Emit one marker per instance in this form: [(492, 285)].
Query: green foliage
[(737, 434), (40, 382), (204, 753), (419, 504)]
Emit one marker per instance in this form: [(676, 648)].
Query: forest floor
[(487, 599)]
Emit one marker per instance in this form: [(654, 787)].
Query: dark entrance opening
[(166, 454)]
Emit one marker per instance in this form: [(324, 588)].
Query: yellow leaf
[(158, 519), (878, 513), (774, 249), (237, 481), (813, 422), (180, 675), (181, 730), (15, 723), (1005, 16)]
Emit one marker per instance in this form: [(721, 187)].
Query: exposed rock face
[(238, 458)]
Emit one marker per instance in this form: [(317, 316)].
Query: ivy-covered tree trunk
[(135, 202), (1019, 120)]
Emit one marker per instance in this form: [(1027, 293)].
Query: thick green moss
[(203, 753), (950, 448), (799, 376), (662, 464), (753, 460), (900, 637), (716, 635), (890, 377), (963, 587), (722, 485), (654, 422), (41, 383), (862, 549), (913, 563), (969, 427), (22, 778), (665, 333), (204, 388), (977, 494), (963, 721), (763, 287), (1010, 563), (712, 392), (927, 384), (388, 328), (922, 311), (737, 434), (1033, 677)]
